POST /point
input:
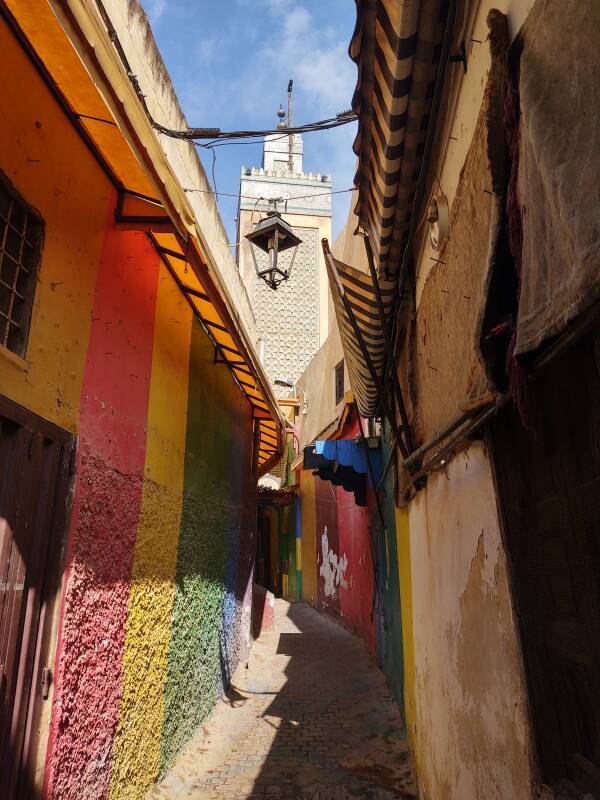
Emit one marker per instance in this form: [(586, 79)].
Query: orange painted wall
[(52, 168)]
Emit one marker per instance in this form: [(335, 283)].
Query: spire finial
[(281, 115)]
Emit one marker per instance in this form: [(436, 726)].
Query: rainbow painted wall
[(156, 592)]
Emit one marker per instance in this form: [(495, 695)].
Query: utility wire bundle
[(192, 134), (217, 134)]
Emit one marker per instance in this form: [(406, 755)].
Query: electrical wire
[(227, 244), (214, 161), (278, 199), (258, 140), (191, 134)]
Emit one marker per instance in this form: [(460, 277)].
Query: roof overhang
[(343, 462), (69, 43)]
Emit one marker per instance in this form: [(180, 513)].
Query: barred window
[(21, 232), (339, 382)]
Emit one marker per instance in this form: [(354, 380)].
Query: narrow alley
[(300, 400), (310, 717)]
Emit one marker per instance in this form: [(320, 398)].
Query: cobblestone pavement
[(310, 718)]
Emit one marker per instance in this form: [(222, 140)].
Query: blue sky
[(230, 62)]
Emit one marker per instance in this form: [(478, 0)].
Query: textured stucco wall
[(156, 592), (155, 613), (471, 735), (71, 194), (405, 582), (136, 755), (209, 590), (104, 523), (464, 100)]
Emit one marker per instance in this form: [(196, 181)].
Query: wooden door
[(34, 467), (549, 482)]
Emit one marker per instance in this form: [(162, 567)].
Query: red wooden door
[(34, 464)]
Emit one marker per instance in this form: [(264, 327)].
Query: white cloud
[(319, 65), (240, 76), (155, 9), (272, 6), (209, 50)]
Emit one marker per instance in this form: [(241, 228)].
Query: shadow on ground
[(310, 718)]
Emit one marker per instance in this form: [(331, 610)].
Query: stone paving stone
[(311, 718)]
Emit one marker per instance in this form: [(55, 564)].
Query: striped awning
[(357, 288), (396, 47)]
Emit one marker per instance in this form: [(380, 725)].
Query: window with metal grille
[(21, 232), (339, 382)]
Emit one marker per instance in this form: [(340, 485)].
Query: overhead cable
[(192, 134), (278, 199), (217, 134)]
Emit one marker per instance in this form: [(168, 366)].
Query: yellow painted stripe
[(136, 752), (403, 545), (309, 536)]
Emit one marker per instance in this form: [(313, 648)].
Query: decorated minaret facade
[(291, 322)]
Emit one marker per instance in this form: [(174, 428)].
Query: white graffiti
[(332, 569)]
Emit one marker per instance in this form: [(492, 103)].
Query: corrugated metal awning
[(360, 296), (396, 47)]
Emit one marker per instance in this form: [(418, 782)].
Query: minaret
[(292, 322)]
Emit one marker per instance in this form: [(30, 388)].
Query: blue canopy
[(344, 463)]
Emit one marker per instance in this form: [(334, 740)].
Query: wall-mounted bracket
[(460, 57)]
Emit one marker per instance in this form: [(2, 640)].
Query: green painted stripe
[(195, 660)]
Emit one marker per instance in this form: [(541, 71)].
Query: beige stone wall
[(460, 111), (318, 380), (470, 733)]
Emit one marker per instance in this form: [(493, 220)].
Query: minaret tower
[(292, 322)]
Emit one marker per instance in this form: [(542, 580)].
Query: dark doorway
[(34, 474), (263, 551), (549, 483)]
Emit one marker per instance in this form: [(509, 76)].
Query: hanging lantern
[(273, 236)]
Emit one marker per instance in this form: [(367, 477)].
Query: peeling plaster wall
[(337, 552), (355, 568), (470, 737)]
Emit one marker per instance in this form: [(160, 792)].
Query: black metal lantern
[(273, 236)]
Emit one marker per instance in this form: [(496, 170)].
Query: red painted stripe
[(105, 517), (356, 599)]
